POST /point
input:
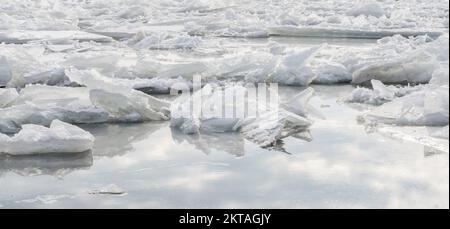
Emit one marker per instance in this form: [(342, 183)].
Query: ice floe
[(124, 104), (415, 68), (111, 189), (380, 93), (40, 105), (429, 107), (374, 9), (123, 19), (261, 123), (415, 63), (60, 137), (100, 102), (25, 64), (328, 72)]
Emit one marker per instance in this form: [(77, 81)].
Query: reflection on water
[(232, 143), (157, 167), (116, 139), (57, 165)]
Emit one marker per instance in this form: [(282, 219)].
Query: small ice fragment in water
[(111, 189), (271, 125)]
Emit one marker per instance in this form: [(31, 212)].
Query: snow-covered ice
[(428, 107), (261, 123), (60, 137), (116, 69), (100, 65), (380, 93), (121, 102)]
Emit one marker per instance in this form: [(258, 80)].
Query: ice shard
[(60, 137)]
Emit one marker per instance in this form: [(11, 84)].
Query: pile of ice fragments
[(263, 122), (121, 19), (414, 61), (100, 61)]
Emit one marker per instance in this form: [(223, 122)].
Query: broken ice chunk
[(111, 189), (125, 104), (103, 61), (59, 138), (412, 68), (251, 67), (265, 125), (42, 94), (26, 64), (368, 9), (162, 42), (436, 106), (147, 68), (53, 78), (380, 94), (412, 60), (427, 107), (44, 113), (186, 125), (299, 104), (41, 104), (331, 73), (126, 107), (162, 85), (7, 96), (271, 127), (292, 70)]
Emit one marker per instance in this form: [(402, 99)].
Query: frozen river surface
[(379, 70), (152, 166)]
